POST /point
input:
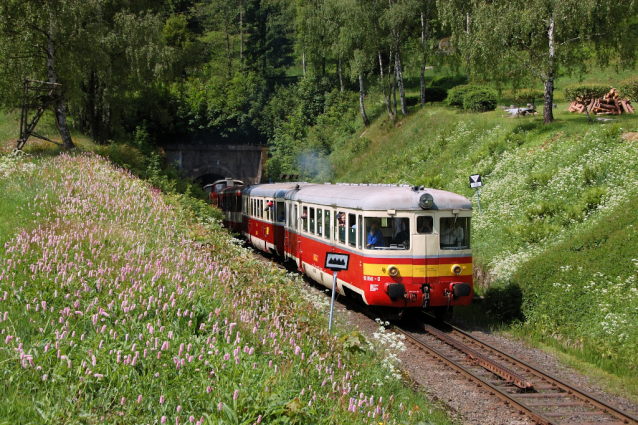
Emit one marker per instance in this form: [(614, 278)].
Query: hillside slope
[(120, 306), (558, 209)]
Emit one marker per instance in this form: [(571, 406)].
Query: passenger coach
[(409, 247)]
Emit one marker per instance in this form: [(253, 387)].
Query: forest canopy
[(270, 71)]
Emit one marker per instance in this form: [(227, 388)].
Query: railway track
[(539, 395)]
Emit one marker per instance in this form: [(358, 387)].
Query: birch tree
[(400, 18), (546, 37), (34, 40)]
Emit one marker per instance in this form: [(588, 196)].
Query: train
[(409, 246)]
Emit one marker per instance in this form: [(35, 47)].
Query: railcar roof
[(272, 190), (372, 198)]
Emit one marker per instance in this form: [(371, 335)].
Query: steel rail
[(568, 389), (494, 390)]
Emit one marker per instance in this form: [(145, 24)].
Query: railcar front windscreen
[(455, 233), (388, 233)]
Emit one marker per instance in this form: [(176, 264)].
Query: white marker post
[(335, 262), (475, 182)]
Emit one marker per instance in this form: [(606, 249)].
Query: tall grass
[(118, 305)]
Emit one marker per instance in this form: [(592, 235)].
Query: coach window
[(261, 208), (424, 224), (361, 232), (295, 220), (352, 230), (340, 224), (281, 212), (455, 232), (326, 223), (304, 219), (319, 218), (311, 218)]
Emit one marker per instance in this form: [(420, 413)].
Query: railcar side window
[(304, 219), (340, 225), (326, 223), (261, 208), (295, 219), (319, 221), (352, 230), (281, 212), (455, 232), (312, 220), (361, 232)]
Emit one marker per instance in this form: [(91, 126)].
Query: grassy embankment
[(118, 305), (556, 243)]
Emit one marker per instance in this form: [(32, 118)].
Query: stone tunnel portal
[(242, 162)]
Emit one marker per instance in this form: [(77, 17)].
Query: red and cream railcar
[(408, 247), (229, 201), (213, 189)]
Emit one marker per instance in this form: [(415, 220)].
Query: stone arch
[(215, 169)]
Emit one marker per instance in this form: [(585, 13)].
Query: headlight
[(456, 269), (426, 201), (393, 270)]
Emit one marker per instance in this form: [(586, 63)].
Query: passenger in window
[(400, 231), (424, 224), (269, 206), (452, 235), (281, 218), (304, 215), (375, 237), (341, 218)]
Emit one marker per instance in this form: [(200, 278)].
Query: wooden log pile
[(609, 104)]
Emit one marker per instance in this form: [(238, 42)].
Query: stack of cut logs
[(609, 104)]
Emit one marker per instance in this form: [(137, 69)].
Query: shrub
[(503, 302), (435, 94), (448, 82), (629, 88), (481, 99), (411, 100), (455, 95), (528, 96), (583, 92)]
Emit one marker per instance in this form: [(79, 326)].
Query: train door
[(287, 215), (425, 261), (302, 224)]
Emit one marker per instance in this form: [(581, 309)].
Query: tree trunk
[(399, 70), (467, 56), (424, 39), (228, 57), (548, 113), (59, 108), (362, 96), (90, 107), (241, 32), (394, 90), (340, 76), (303, 62), (388, 107)]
